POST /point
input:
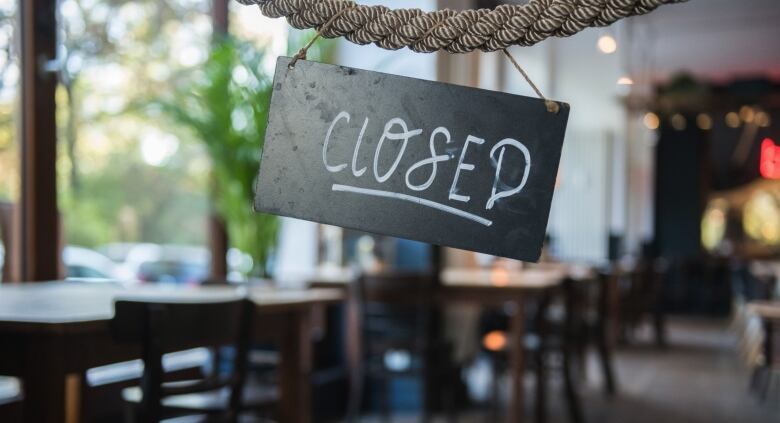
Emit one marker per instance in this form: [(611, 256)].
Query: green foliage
[(114, 54), (131, 201), (224, 103)]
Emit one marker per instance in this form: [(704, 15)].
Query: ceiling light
[(607, 44), (624, 80)]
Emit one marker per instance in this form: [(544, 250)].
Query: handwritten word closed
[(420, 175)]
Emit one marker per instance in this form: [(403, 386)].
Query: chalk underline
[(412, 199)]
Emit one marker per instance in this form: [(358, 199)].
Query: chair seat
[(10, 399), (10, 390), (242, 418), (254, 397), (126, 371)]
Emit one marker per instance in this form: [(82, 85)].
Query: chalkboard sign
[(428, 161)]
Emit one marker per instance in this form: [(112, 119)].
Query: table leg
[(295, 369), (613, 309), (353, 352), (43, 382), (516, 365), (73, 398)]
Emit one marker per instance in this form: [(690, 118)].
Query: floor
[(699, 378)]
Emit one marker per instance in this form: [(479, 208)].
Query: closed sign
[(438, 163)]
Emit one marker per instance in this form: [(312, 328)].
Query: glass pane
[(9, 145), (132, 183)]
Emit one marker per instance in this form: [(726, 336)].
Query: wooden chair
[(397, 313), (549, 343), (765, 379), (589, 324), (642, 299), (157, 327)]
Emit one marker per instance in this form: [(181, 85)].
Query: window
[(9, 145), (130, 179)]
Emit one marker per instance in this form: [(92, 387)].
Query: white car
[(174, 264), (83, 263)]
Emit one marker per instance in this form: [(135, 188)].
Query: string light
[(746, 113), (704, 121), (607, 44), (763, 120), (678, 122), (651, 120), (732, 120)]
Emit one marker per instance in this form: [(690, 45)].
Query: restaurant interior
[(137, 283)]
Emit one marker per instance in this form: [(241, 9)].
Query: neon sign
[(770, 159)]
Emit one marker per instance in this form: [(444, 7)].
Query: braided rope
[(454, 31)]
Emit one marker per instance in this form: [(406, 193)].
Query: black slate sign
[(428, 161)]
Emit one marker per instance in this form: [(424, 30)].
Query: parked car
[(83, 263), (176, 264)]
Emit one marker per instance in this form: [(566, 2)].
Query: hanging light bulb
[(607, 44), (704, 121), (651, 120), (678, 122), (732, 120), (762, 119), (746, 113)]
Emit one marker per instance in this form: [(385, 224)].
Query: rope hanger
[(453, 31)]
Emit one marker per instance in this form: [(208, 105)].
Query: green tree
[(111, 53), (224, 102)]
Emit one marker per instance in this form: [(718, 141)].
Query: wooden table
[(503, 287), (54, 329), (769, 310)]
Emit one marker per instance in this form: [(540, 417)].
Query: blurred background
[(153, 119)]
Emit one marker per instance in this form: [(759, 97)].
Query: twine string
[(552, 106), (304, 51)]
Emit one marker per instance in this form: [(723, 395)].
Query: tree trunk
[(71, 135)]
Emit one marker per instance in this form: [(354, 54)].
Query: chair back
[(389, 312), (163, 326), (398, 289), (587, 312), (396, 308)]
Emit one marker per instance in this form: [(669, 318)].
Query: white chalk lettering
[(405, 135), (332, 168), (433, 160), (355, 170), (463, 166), (495, 194), (412, 199), (396, 129)]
